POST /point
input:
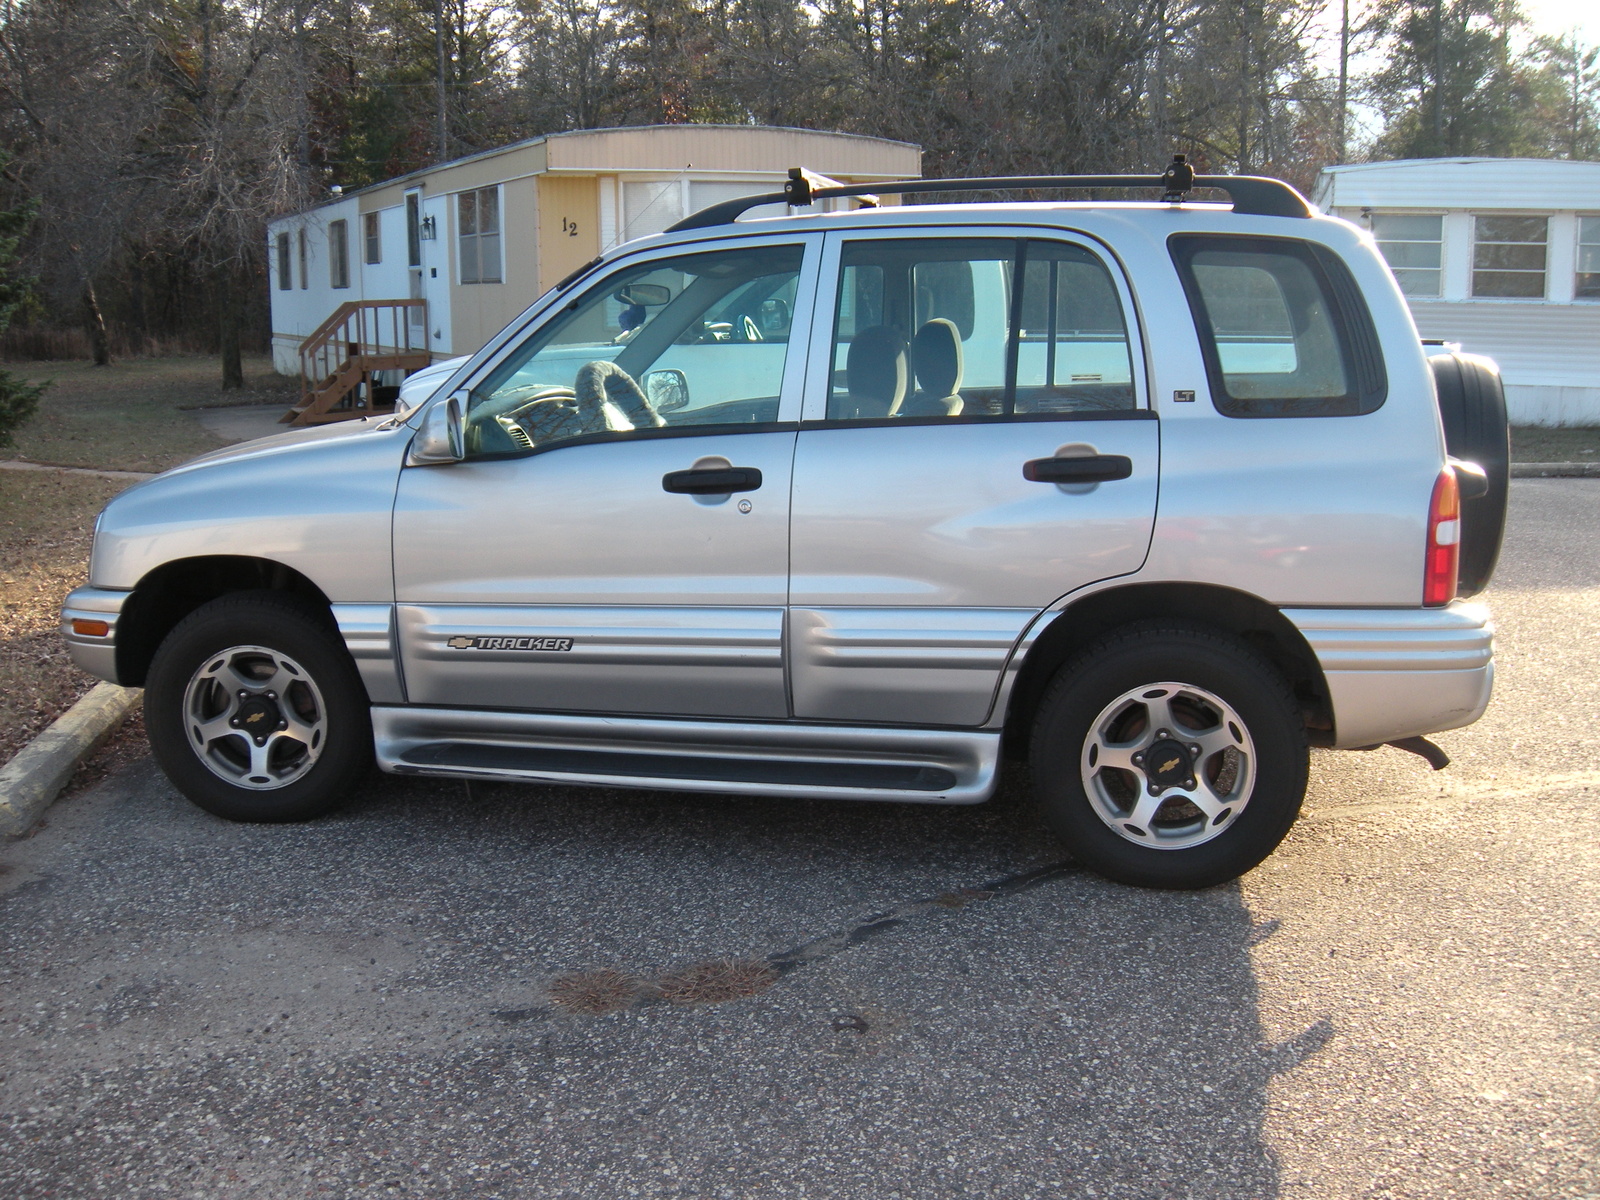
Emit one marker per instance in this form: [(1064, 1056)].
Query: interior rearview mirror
[(646, 295), (440, 437), (667, 390)]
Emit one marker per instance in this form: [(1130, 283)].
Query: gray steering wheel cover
[(602, 380)]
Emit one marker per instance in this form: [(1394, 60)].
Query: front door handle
[(1092, 468), (712, 481)]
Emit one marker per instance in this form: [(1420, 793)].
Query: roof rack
[(1253, 195)]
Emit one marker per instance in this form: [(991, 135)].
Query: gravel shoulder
[(46, 525)]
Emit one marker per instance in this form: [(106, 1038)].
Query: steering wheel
[(499, 424), (752, 331), (600, 381)]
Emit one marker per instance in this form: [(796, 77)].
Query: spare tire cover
[(1472, 403)]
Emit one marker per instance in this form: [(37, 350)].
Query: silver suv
[(852, 504)]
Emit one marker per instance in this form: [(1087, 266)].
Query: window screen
[(1587, 284), (1283, 327), (374, 243), (1508, 256), (1413, 246), (478, 215), (285, 271), (650, 206)]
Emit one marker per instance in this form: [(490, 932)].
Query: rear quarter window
[(1283, 327)]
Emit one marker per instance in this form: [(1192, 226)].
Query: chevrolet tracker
[(1154, 494)]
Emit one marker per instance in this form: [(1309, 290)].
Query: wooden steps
[(340, 357)]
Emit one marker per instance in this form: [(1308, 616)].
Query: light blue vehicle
[(1156, 494)]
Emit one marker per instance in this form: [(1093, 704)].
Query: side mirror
[(440, 438), (667, 390), (775, 316)]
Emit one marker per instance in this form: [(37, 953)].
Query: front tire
[(1169, 756), (255, 711)]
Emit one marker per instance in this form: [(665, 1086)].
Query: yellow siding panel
[(569, 225), (732, 148)]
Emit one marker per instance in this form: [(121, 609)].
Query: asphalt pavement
[(1399, 1003)]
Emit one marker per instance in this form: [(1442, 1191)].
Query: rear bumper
[(96, 654), (1395, 673)]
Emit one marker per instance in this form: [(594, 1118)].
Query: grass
[(132, 416), (1532, 443), (46, 521)]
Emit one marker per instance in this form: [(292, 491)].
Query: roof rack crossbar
[(1252, 195)]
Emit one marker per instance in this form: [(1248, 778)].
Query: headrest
[(936, 356), (875, 371)]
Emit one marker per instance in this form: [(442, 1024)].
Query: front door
[(971, 452), (617, 538)]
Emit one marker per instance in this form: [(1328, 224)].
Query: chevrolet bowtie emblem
[(1167, 766), (460, 643)]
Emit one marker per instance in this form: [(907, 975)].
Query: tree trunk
[(228, 328), (95, 322)]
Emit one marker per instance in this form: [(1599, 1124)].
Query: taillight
[(1444, 542)]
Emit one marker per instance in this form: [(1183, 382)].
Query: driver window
[(695, 340)]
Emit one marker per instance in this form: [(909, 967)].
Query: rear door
[(931, 519)]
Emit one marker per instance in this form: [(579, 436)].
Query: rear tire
[(1169, 756), (255, 710)]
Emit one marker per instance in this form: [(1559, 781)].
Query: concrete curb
[(32, 779), (1575, 470)]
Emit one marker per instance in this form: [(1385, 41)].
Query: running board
[(755, 758)]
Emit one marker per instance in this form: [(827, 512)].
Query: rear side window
[(1283, 327), (976, 328)]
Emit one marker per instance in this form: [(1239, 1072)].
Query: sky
[(1562, 16), (1553, 17)]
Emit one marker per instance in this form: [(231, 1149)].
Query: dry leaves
[(46, 522)]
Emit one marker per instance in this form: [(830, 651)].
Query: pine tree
[(1453, 82)]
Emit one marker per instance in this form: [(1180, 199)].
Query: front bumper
[(95, 653), (1397, 673)]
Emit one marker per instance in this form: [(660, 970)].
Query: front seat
[(936, 359), (875, 373)]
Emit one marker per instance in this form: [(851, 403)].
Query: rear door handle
[(1092, 468), (712, 481)]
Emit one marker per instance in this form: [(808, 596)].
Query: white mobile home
[(382, 280), (1499, 254)]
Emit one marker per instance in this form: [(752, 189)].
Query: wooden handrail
[(355, 331)]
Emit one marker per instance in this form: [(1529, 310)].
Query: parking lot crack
[(595, 993), (818, 949)]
